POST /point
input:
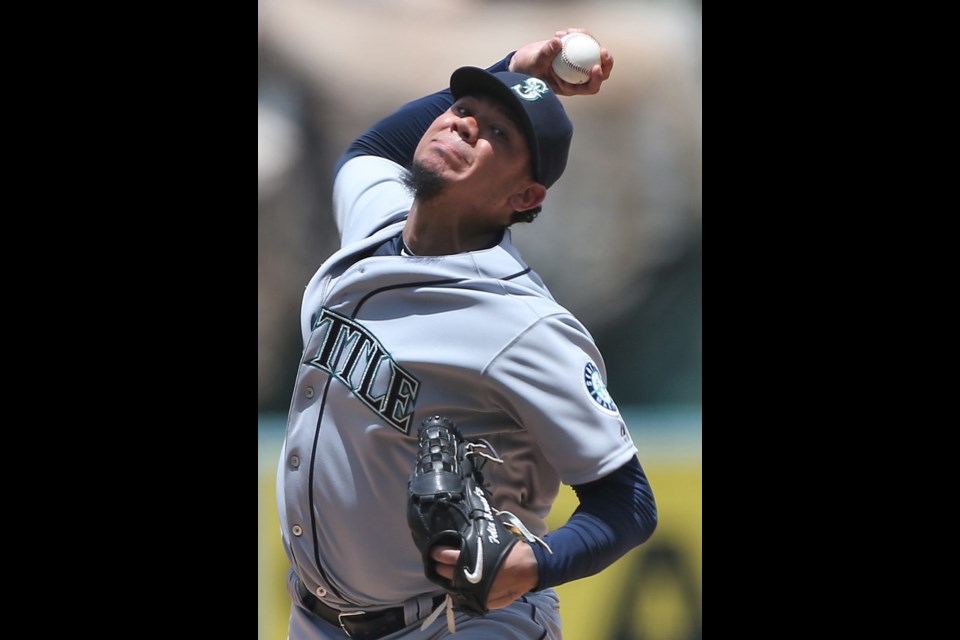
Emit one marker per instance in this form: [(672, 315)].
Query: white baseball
[(579, 54)]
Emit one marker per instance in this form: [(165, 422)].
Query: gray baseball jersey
[(391, 340)]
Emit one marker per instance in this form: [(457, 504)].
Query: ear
[(531, 196)]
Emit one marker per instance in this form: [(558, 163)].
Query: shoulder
[(364, 172), (368, 194), (515, 289), (365, 166)]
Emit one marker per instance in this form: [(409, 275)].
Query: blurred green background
[(619, 241)]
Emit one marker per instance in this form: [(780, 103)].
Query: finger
[(606, 63), (500, 601), (445, 555), (588, 88), (562, 87), (445, 571), (596, 79), (548, 52), (592, 86)]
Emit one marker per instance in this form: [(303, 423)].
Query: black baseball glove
[(448, 504)]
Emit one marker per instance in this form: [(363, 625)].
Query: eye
[(461, 110), (500, 133)]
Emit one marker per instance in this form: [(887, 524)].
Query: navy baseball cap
[(545, 124)]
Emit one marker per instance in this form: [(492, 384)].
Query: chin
[(425, 181)]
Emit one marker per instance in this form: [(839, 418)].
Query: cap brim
[(467, 81)]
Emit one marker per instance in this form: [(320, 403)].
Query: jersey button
[(321, 591), (294, 461), (297, 530), (308, 392)]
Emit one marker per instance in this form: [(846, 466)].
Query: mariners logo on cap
[(531, 90), (597, 389)]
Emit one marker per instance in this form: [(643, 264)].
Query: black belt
[(360, 625)]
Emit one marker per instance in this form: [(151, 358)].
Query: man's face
[(477, 151)]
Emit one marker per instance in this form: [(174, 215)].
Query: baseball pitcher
[(443, 394)]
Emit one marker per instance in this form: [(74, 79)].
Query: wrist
[(510, 65), (532, 568), (541, 558)]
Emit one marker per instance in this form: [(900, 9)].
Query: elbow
[(646, 516), (649, 523)]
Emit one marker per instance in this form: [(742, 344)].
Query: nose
[(466, 127)]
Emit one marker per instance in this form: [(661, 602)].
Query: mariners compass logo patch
[(597, 389), (531, 90)]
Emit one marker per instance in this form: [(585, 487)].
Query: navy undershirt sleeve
[(616, 513), (396, 137)]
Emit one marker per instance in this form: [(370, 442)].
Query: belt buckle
[(340, 617)]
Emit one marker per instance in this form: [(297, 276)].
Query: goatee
[(424, 183)]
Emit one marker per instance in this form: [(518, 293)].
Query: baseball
[(579, 54)]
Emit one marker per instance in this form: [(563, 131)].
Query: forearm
[(616, 514), (396, 136)]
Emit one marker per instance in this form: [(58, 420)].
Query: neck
[(431, 230)]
